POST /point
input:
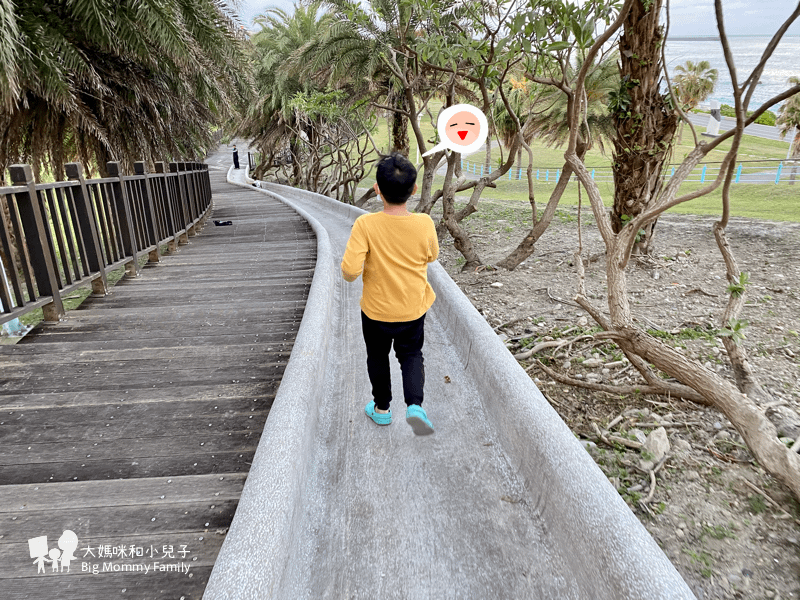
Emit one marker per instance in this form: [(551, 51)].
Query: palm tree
[(125, 80), (544, 113), (280, 74), (357, 49), (693, 83), (548, 118), (788, 119), (367, 45)]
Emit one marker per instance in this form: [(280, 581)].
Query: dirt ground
[(725, 537)]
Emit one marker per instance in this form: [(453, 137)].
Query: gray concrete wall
[(594, 547)]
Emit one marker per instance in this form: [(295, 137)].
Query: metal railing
[(56, 237), (752, 171)]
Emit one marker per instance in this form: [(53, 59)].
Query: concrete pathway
[(478, 510)]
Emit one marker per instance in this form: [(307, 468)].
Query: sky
[(688, 17)]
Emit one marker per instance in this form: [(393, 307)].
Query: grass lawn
[(761, 201)]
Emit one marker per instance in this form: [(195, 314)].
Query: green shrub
[(768, 118)]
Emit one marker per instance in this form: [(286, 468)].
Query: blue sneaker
[(379, 418), (418, 419)]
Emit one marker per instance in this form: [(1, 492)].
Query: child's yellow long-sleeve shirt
[(392, 252)]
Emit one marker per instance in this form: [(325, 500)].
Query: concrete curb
[(607, 550)]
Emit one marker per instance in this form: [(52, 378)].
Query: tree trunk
[(752, 424), (363, 200), (426, 199), (645, 131), (538, 226), (297, 173), (460, 238), (400, 142)]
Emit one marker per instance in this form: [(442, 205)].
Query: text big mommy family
[(154, 567)]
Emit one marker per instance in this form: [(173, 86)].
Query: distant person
[(235, 157), (391, 250)]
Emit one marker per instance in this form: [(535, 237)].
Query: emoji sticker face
[(462, 128)]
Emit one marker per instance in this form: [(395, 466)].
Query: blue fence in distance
[(762, 171)]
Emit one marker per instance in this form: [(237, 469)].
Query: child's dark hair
[(396, 177)]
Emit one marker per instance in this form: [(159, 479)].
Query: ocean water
[(747, 51)]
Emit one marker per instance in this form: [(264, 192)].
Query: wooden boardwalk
[(133, 422)]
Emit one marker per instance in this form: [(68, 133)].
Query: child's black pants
[(408, 337)]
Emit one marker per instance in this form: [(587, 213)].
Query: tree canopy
[(126, 80), (694, 82), (789, 118)]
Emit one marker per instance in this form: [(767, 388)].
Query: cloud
[(697, 17)]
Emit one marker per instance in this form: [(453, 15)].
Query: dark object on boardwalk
[(235, 158), (223, 222)]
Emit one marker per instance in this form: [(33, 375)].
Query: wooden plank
[(175, 413), (171, 586), (149, 338), (55, 444), (103, 522), (182, 463), (199, 330), (191, 393), (220, 359), (33, 355), (62, 351), (120, 493), (121, 381)]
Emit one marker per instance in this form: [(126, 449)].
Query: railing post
[(150, 214), (88, 224), (187, 218), (206, 181), (778, 174), (127, 229), (738, 173), (191, 197), (169, 206), (37, 238)]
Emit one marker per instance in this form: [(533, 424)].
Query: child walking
[(391, 250)]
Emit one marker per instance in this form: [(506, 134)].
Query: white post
[(791, 137), (714, 118)]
